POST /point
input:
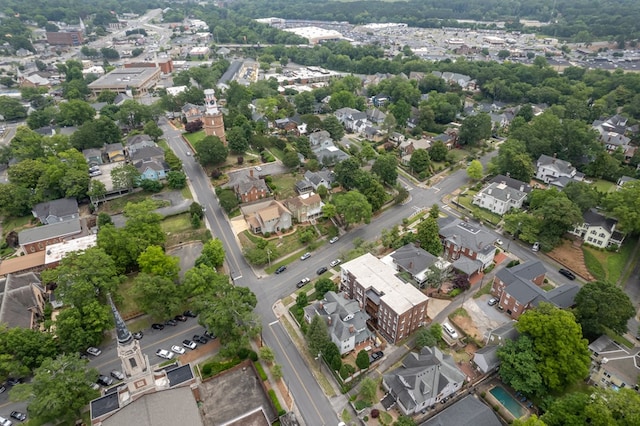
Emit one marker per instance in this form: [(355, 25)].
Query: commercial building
[(130, 81), (396, 308), (65, 38)]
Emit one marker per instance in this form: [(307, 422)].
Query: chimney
[(411, 265), (251, 172), (521, 188), (352, 329)]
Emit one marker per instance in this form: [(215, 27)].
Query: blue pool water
[(508, 401)]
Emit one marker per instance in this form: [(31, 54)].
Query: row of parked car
[(188, 344), (17, 415)]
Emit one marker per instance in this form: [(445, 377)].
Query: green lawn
[(128, 307), (285, 184), (178, 229), (603, 186), (116, 206), (605, 265), (177, 223), (194, 137)]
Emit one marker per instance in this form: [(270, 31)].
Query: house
[(151, 169), (552, 170), (499, 198), (396, 308), (251, 188), (36, 239), (512, 183), (424, 379), (323, 177), (346, 322), (324, 149), (623, 181), (303, 187), (380, 99), (115, 152), (137, 142), (93, 156), (191, 112), (354, 121), (417, 262), (462, 240), (612, 134), (22, 301), (486, 358), (614, 365), (55, 211), (267, 217), (407, 148), (449, 138), (519, 288), (375, 116), (469, 411), (598, 230), (305, 207)]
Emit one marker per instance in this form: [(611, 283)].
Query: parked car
[(492, 301), (171, 322), (567, 273), (104, 380), (375, 356), (536, 246), (209, 335), (163, 353), (93, 351), (333, 240), (5, 422), (335, 262), (117, 375), (499, 242), (321, 270), (281, 269), (449, 330), (19, 416), (2, 388), (305, 256), (189, 314), (157, 326), (302, 282), (189, 344), (12, 381), (258, 169), (177, 349), (180, 318), (138, 335), (200, 339)]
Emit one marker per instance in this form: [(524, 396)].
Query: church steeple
[(123, 333)]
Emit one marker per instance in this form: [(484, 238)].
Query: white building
[(598, 230), (499, 198)]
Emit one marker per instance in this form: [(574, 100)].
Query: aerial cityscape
[(304, 212)]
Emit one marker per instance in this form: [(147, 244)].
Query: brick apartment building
[(396, 308)]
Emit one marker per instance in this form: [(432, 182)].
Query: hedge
[(261, 372), (276, 403)]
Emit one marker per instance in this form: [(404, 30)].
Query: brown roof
[(270, 213), (22, 263)]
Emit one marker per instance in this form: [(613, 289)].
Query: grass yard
[(603, 186), (285, 184), (606, 265), (15, 224), (194, 137), (128, 308), (178, 229), (186, 193), (117, 205)]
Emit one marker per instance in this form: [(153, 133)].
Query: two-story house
[(408, 146), (115, 152), (519, 288), (424, 379), (305, 207), (354, 121), (556, 172), (486, 358), (346, 322), (499, 198), (324, 149), (470, 248), (320, 178), (267, 217), (191, 112), (251, 188), (613, 365), (598, 230), (417, 262), (396, 308), (55, 211), (148, 159)]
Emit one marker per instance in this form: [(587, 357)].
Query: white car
[(258, 168), (93, 351), (305, 256), (163, 353), (499, 242), (335, 262), (177, 349), (5, 422), (189, 344), (333, 240), (450, 330)]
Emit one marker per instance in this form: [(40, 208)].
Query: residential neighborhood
[(212, 217)]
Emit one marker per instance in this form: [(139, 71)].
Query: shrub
[(266, 234), (375, 413), (253, 356), (206, 369), (513, 263), (347, 370), (361, 405), (455, 292), (243, 353), (261, 372)]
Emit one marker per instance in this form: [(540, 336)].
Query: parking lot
[(485, 317)]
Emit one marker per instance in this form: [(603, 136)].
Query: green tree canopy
[(475, 170), (212, 254), (519, 366), (420, 160), (354, 207), (154, 261), (475, 128), (602, 305), (429, 236), (624, 204), (386, 167), (157, 295), (210, 151)]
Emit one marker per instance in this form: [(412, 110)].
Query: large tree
[(317, 335), (80, 327), (513, 160), (23, 349), (475, 170), (557, 340), (386, 167), (475, 128), (334, 127), (597, 407), (420, 160), (624, 205), (60, 389), (96, 133), (210, 151), (158, 296), (125, 176), (519, 366), (212, 254), (354, 207), (75, 112), (602, 305), (154, 261), (429, 236)]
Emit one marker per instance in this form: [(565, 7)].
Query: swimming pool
[(508, 401)]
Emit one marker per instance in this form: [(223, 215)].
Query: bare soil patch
[(571, 257), (467, 325)]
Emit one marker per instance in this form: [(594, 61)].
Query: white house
[(499, 198), (552, 170), (598, 230)]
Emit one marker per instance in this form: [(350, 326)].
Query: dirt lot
[(467, 325), (571, 257)]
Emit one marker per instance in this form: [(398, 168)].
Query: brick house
[(519, 289), (463, 240), (36, 239), (396, 308), (251, 188)]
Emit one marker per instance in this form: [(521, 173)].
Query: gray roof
[(422, 376), (467, 265), (593, 218), (17, 298), (469, 411), (464, 234), (249, 182), (413, 259), (489, 354), (145, 152), (512, 183), (60, 208), (502, 192), (561, 166), (122, 332), (316, 138), (45, 232), (505, 331), (563, 296)]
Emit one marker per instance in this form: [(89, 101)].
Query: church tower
[(134, 362), (212, 118)]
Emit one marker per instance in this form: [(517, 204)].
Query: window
[(133, 362), (593, 232), (601, 235)]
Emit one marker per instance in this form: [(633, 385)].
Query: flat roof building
[(131, 81)]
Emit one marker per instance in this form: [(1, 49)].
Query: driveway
[(485, 317)]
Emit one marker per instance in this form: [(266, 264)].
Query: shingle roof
[(413, 259), (469, 411), (512, 183), (561, 166), (502, 192), (41, 233), (466, 235), (593, 218), (61, 207)]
